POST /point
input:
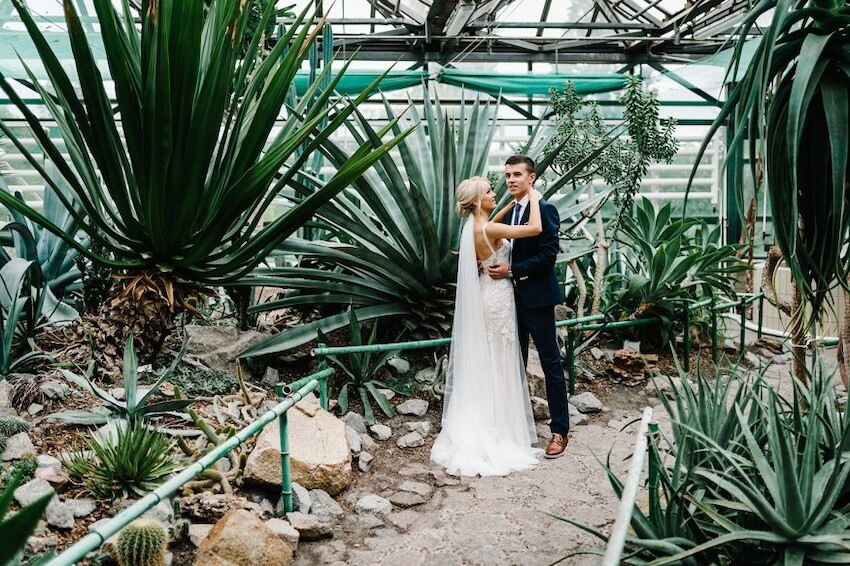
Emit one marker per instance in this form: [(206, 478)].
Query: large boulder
[(319, 454), (240, 537), (217, 346)]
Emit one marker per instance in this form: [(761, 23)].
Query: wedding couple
[(506, 291)]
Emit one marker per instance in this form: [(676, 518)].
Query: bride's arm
[(533, 228)]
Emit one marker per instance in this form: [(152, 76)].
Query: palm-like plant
[(392, 252), (179, 188), (793, 102)]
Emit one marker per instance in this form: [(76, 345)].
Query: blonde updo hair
[(469, 194)]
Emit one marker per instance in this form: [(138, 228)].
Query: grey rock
[(31, 491), (381, 431), (53, 389), (405, 499), (34, 409), (415, 407), (388, 393), (59, 515), (18, 446), (422, 427), (417, 487), (309, 527), (5, 391), (355, 421), (285, 531), (364, 461), (753, 360), (324, 507), (539, 408), (367, 444), (425, 375), (354, 442), (410, 440), (81, 507), (301, 498), (47, 461), (373, 504), (399, 365), (586, 402), (271, 378), (597, 353), (198, 532)]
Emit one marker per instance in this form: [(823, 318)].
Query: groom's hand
[(498, 270)]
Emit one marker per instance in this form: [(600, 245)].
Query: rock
[(52, 389), (82, 507), (208, 507), (388, 393), (34, 409), (753, 360), (353, 438), (198, 532), (415, 407), (18, 447), (534, 375), (117, 392), (162, 512), (47, 461), (355, 421), (324, 507), (414, 469), (319, 454), (406, 499), (381, 431), (442, 479), (367, 444), (364, 461), (586, 402), (666, 386), (32, 491), (410, 440), (301, 498), (270, 378), (422, 427), (425, 375), (285, 531), (5, 393), (218, 346), (242, 538), (597, 353), (374, 504), (309, 527), (417, 487), (55, 477), (38, 545), (59, 515), (539, 408), (399, 365)]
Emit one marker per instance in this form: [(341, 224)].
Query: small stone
[(324, 507), (59, 515), (285, 531), (55, 477), (117, 392), (271, 378), (586, 402), (415, 407), (364, 461), (381, 431), (353, 438), (198, 532), (405, 499), (373, 504), (539, 408), (388, 393), (18, 447), (53, 389), (47, 461), (367, 444), (32, 491), (399, 365), (81, 507), (355, 421), (597, 353), (309, 527), (34, 409), (422, 427), (420, 488), (410, 440)]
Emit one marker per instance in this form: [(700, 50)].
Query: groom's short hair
[(523, 159)]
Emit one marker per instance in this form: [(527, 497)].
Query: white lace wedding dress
[(487, 426)]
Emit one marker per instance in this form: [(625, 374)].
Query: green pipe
[(98, 536), (743, 311), (574, 321), (324, 351), (761, 313), (618, 324), (285, 468), (702, 303), (654, 474), (289, 388)]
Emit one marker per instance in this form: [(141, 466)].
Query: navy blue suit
[(537, 292)]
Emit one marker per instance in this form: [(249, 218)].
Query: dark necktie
[(517, 214)]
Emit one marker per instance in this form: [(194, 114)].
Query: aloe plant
[(391, 246), (792, 102), (182, 183)]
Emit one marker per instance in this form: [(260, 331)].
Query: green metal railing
[(617, 538), (293, 393)]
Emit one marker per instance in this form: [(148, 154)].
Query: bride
[(487, 426)]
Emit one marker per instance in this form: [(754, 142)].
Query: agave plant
[(391, 253), (793, 103), (178, 189)]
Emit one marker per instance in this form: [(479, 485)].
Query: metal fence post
[(687, 339), (713, 330), (285, 470), (571, 359)]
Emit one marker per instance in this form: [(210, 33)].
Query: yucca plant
[(793, 103), (175, 186), (391, 249)]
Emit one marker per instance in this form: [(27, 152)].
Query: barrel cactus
[(142, 543)]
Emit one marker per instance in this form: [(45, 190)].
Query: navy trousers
[(539, 323)]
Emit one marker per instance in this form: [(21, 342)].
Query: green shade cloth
[(532, 84), (354, 81)]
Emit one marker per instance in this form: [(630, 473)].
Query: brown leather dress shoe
[(557, 446)]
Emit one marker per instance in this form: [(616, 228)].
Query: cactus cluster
[(142, 543), (9, 427)]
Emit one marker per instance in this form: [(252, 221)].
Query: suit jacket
[(533, 261)]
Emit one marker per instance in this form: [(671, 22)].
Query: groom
[(536, 288)]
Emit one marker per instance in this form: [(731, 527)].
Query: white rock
[(374, 505), (18, 446), (410, 440), (381, 431), (285, 531), (422, 427), (416, 407)]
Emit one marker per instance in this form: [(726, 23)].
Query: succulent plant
[(142, 543)]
